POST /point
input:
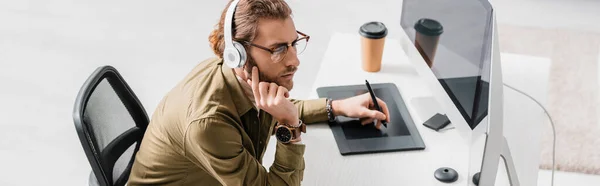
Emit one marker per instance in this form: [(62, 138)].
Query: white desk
[(326, 166)]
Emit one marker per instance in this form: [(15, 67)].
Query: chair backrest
[(110, 122)]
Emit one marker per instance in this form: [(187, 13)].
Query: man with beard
[(213, 127)]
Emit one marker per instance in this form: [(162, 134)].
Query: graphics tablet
[(353, 138)]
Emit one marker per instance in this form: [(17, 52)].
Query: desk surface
[(325, 165)]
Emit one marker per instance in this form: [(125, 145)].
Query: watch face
[(283, 134)]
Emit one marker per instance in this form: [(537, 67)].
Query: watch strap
[(295, 139), (330, 115)]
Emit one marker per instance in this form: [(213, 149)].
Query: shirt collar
[(243, 104)]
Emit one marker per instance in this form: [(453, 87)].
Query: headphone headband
[(234, 54), (228, 22)]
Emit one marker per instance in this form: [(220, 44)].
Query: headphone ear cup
[(242, 53), (231, 57)]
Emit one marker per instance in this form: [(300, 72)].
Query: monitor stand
[(509, 164), (425, 107)]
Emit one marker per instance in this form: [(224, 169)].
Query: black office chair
[(110, 122)]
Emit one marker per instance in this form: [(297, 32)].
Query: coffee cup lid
[(373, 30), (429, 27)]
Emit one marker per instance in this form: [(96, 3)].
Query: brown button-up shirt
[(206, 131)]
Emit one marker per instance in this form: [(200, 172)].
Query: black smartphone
[(437, 122)]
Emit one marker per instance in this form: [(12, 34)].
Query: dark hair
[(245, 19)]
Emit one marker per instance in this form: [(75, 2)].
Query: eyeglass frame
[(288, 45)]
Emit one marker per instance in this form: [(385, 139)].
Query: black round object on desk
[(476, 178), (446, 175)]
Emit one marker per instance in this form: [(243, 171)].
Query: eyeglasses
[(279, 52)]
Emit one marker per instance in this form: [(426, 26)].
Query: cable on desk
[(553, 129)]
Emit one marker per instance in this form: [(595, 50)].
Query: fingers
[(385, 109), (379, 116), (272, 91), (372, 115), (367, 121), (378, 124), (254, 83), (376, 114), (264, 92), (367, 96), (255, 75), (283, 92), (263, 88)]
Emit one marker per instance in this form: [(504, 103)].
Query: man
[(214, 126)]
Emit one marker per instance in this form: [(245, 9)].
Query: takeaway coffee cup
[(372, 41), (427, 37)]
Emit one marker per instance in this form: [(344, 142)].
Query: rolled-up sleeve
[(216, 146), (311, 111)]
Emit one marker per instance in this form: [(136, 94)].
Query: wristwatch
[(286, 133)]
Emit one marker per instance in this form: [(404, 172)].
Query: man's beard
[(248, 68), (261, 76)]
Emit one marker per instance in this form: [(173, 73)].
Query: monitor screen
[(455, 37)]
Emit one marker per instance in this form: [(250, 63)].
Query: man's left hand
[(362, 107)]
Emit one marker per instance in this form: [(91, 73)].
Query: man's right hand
[(272, 98)]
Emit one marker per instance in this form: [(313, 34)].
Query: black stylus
[(375, 102)]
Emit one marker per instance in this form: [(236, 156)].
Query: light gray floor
[(48, 48)]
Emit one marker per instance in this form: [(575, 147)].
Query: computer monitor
[(462, 52), (466, 63)]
